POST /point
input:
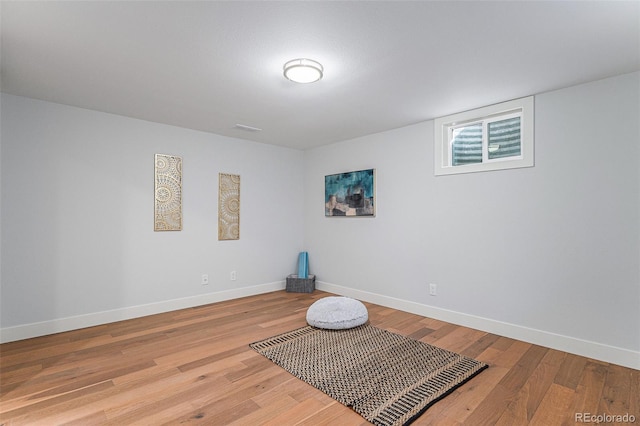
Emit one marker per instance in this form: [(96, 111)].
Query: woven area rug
[(387, 378)]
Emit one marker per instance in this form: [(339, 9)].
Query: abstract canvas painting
[(229, 207), (168, 193), (350, 194)]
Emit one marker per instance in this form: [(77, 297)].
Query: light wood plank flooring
[(195, 366)]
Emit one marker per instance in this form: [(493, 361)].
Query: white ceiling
[(212, 65)]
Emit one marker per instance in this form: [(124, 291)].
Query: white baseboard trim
[(28, 331), (594, 350)]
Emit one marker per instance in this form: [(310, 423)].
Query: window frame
[(444, 126)]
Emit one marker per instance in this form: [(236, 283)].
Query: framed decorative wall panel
[(228, 207), (350, 194), (168, 193)]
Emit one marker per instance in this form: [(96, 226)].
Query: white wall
[(552, 253), (77, 218), (549, 253)]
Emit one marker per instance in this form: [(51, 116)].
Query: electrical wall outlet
[(233, 276), (204, 280), (433, 289)]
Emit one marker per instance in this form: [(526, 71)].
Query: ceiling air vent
[(247, 128)]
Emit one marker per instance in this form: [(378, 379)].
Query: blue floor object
[(303, 265)]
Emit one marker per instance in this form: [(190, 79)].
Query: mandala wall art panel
[(228, 207), (168, 193)]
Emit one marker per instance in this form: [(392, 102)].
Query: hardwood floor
[(195, 366)]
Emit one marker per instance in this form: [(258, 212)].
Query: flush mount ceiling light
[(303, 70)]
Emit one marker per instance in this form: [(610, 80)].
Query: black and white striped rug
[(387, 378)]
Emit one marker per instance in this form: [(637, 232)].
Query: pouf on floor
[(337, 313)]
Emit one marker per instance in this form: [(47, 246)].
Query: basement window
[(490, 138)]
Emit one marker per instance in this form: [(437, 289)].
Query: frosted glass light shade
[(303, 70)]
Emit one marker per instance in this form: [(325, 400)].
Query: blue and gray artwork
[(350, 194)]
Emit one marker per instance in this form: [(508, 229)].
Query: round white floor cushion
[(337, 313)]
